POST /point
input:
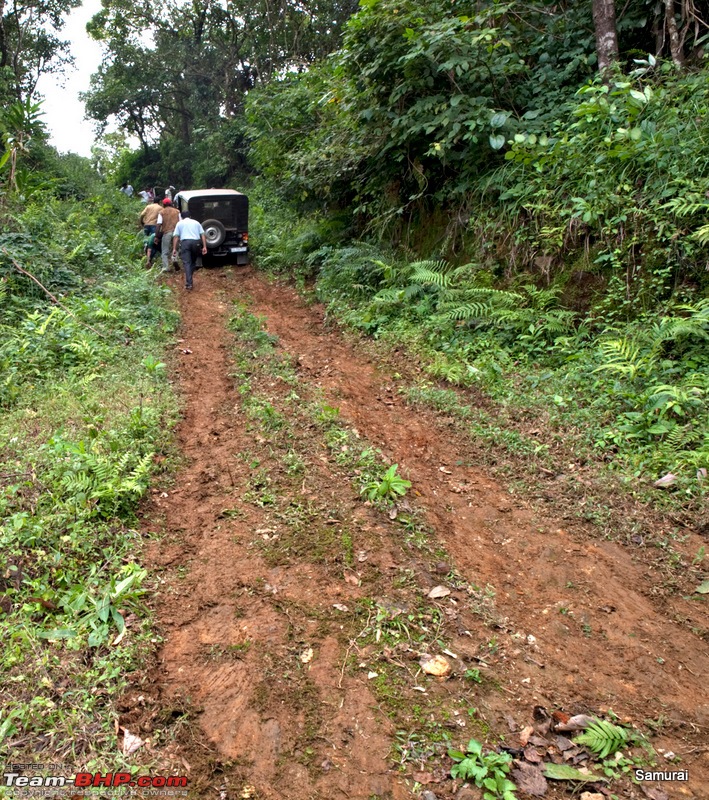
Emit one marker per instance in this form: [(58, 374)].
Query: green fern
[(389, 296), (480, 303), (435, 273), (685, 206), (624, 357), (701, 235), (604, 738)]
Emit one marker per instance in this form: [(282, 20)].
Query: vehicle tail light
[(245, 238)]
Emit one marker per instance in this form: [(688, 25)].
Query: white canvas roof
[(209, 193)]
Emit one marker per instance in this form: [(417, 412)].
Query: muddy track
[(576, 630)]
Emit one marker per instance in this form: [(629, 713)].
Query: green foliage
[(30, 45), (488, 771), (389, 489), (85, 414), (20, 123), (604, 738)]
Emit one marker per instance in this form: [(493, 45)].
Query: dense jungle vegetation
[(516, 190), (86, 415)]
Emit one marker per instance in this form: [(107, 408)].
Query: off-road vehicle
[(224, 214)]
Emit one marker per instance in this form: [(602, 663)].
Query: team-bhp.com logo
[(84, 780)]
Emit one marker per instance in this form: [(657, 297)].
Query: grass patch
[(79, 441)]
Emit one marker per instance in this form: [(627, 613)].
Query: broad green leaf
[(497, 141), (563, 772), (703, 588), (57, 633)]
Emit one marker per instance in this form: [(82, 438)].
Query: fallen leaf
[(340, 606), (352, 579), (363, 555), (563, 772), (563, 743), (530, 780), (531, 755), (423, 777), (654, 793), (438, 666), (439, 591), (538, 741), (372, 675), (703, 588), (665, 481), (307, 655), (119, 638), (393, 513), (447, 471), (131, 742), (592, 796), (525, 734), (578, 723)]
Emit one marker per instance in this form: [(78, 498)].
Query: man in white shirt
[(189, 233)]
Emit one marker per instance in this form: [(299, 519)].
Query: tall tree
[(206, 55), (29, 42), (606, 33)]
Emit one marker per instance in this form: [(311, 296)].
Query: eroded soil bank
[(294, 614)]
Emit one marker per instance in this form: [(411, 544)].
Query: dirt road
[(295, 615)]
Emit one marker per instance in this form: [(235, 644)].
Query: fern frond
[(467, 311), (603, 738), (412, 291), (683, 206), (680, 436), (387, 296), (623, 356), (701, 235), (430, 272)]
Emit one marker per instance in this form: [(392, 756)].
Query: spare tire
[(214, 232)]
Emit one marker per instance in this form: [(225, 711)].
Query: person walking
[(189, 234), (167, 220), (149, 218)]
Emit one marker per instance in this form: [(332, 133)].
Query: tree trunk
[(673, 34), (606, 34), (3, 36)]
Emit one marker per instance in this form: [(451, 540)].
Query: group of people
[(164, 229), (147, 195)]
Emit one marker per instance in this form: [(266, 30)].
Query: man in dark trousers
[(189, 234)]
